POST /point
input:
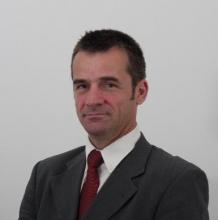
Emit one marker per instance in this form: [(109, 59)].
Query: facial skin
[(103, 95)]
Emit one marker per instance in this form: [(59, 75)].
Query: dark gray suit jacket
[(149, 184)]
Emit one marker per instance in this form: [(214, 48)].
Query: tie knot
[(94, 159)]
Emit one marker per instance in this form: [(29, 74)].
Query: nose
[(94, 96)]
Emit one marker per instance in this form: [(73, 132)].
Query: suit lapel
[(121, 186), (66, 187)]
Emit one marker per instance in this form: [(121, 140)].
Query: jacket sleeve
[(186, 198), (28, 204)]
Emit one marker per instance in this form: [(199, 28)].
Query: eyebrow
[(109, 78), (78, 81), (104, 78)]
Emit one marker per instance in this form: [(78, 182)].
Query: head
[(103, 40), (107, 89)]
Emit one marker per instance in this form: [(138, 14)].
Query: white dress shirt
[(113, 154)]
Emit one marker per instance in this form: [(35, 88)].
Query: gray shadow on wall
[(214, 108), (213, 208), (213, 126)]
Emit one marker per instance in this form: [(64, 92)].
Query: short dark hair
[(103, 40)]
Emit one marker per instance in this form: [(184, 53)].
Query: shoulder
[(170, 164), (183, 186), (167, 169), (161, 161), (176, 174), (56, 164), (62, 158)]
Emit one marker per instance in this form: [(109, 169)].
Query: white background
[(37, 115)]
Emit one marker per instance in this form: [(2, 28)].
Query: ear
[(141, 92)]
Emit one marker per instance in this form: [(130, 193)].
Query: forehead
[(113, 62)]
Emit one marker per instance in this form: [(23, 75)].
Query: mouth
[(95, 116)]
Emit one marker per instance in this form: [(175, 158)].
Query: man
[(117, 175)]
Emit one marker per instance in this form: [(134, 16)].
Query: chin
[(96, 131)]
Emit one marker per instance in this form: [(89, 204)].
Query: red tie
[(91, 184)]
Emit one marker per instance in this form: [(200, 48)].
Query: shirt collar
[(115, 152)]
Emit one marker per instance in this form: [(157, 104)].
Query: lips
[(95, 116), (94, 113)]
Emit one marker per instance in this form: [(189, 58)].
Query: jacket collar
[(66, 186), (118, 189), (120, 186)]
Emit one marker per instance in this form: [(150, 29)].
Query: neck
[(103, 141)]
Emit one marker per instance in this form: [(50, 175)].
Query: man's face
[(103, 93)]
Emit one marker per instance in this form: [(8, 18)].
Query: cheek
[(79, 102), (116, 103), (113, 101)]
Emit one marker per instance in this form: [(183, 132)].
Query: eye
[(81, 87), (110, 85)]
